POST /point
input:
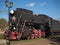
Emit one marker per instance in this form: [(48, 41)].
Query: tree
[(3, 24)]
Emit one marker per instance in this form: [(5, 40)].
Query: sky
[(50, 8)]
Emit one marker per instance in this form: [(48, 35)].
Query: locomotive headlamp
[(14, 28), (12, 11), (11, 4), (8, 4)]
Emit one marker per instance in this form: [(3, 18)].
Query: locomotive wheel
[(28, 37), (39, 36), (36, 37), (17, 37), (43, 36), (32, 36)]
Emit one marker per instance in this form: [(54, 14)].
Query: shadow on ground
[(54, 40)]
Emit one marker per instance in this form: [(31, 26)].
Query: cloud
[(58, 19), (43, 4), (30, 5)]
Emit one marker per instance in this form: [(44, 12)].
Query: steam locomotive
[(23, 24)]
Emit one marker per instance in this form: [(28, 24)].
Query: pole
[(8, 5), (8, 36)]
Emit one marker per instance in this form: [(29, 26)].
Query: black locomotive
[(24, 24)]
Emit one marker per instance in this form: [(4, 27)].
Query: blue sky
[(47, 7)]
